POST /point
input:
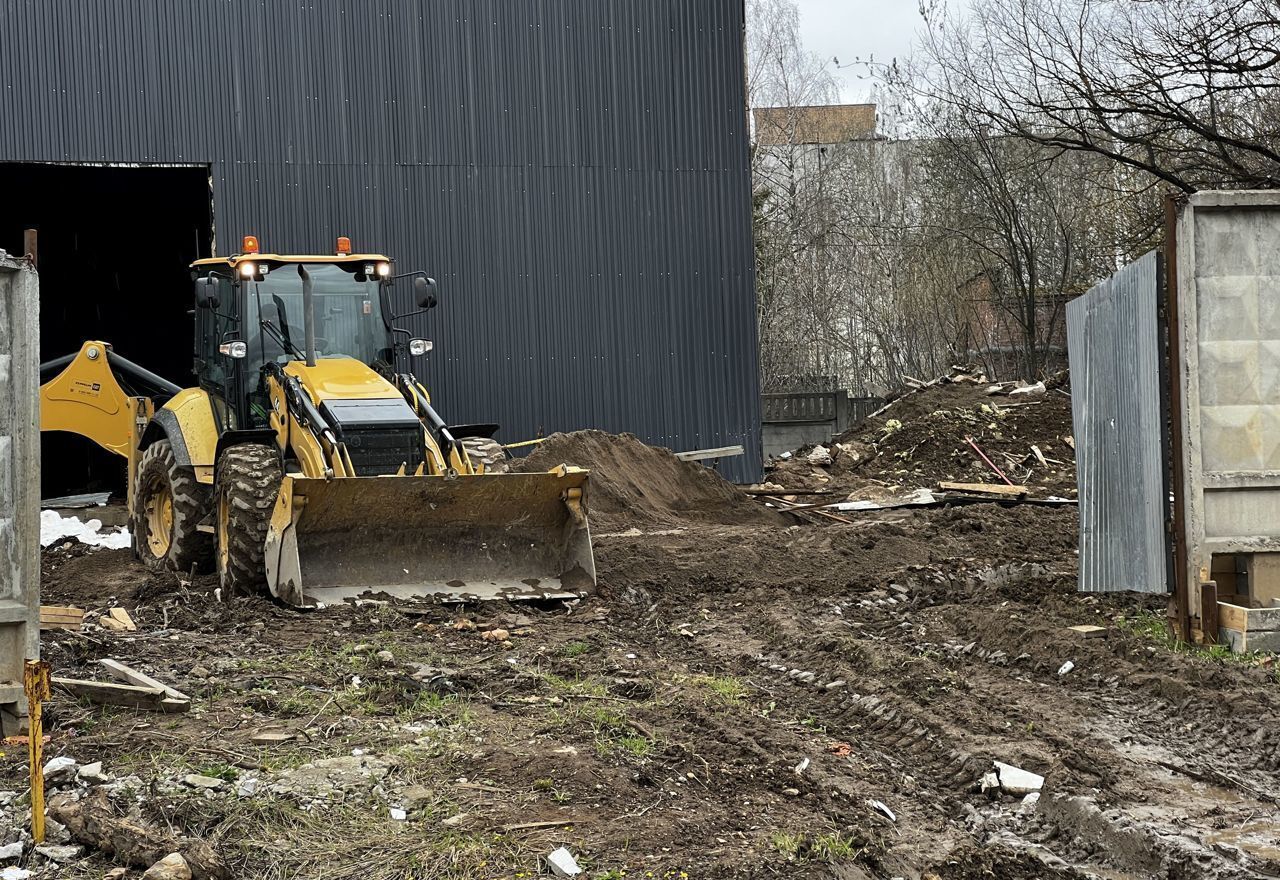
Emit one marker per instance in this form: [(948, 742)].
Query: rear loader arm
[(86, 398)]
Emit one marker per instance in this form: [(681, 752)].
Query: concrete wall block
[(19, 474)]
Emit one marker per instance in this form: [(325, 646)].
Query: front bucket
[(493, 536)]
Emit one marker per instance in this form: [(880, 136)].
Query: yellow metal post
[(35, 680)]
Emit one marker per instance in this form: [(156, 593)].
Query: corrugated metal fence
[(573, 172), (1113, 335)]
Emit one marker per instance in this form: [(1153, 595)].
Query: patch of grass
[(723, 689), (832, 847), (611, 729), (576, 686), (544, 784), (577, 649), (225, 772)]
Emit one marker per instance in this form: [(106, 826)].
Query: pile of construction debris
[(958, 433)]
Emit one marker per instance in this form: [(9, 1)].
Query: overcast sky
[(849, 29)]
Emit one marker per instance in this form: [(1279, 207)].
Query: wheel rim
[(159, 517), (224, 528)]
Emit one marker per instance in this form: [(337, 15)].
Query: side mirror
[(207, 297), (424, 291)]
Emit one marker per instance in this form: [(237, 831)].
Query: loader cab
[(249, 313)]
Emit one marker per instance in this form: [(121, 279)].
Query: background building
[(574, 174)]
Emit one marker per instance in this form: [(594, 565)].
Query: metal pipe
[(308, 315), (142, 374)]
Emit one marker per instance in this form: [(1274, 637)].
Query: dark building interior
[(113, 248)]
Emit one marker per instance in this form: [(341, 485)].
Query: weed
[(577, 649), (828, 847), (1154, 628), (544, 784), (722, 689), (576, 686), (225, 772)]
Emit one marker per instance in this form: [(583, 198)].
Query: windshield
[(348, 314)]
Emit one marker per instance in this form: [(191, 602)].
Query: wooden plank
[(1089, 631), (984, 488), (1238, 617), (129, 675), (770, 493), (717, 452), (61, 617), (112, 694), (1233, 616), (1209, 612)]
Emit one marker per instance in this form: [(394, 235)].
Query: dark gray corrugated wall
[(573, 172)]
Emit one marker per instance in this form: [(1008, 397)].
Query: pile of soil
[(922, 438), (634, 483)]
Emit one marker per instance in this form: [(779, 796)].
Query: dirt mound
[(632, 482), (922, 439)]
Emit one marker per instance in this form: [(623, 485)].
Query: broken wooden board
[(984, 489), (112, 694), (61, 617), (129, 675), (118, 619), (1089, 631)]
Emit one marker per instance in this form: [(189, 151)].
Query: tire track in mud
[(864, 668)]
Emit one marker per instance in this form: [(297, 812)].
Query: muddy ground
[(745, 697)]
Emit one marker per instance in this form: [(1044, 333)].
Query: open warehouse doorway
[(113, 247)]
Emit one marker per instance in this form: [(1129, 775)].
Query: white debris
[(14, 874), (1028, 805), (1016, 781), (882, 808), (56, 853), (55, 527), (398, 814), (59, 767), (801, 767), (563, 864), (92, 774), (1066, 667), (1037, 388), (990, 781), (11, 851), (784, 456), (819, 455)]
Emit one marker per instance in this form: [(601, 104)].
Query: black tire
[(487, 453), (245, 489), (183, 548)]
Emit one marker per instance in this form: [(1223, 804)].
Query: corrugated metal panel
[(1114, 344), (573, 172)]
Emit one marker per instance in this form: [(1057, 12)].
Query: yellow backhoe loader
[(306, 459)]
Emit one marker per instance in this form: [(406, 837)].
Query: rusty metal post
[(35, 681), (31, 246), (1181, 600)]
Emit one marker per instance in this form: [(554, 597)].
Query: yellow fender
[(187, 422)]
